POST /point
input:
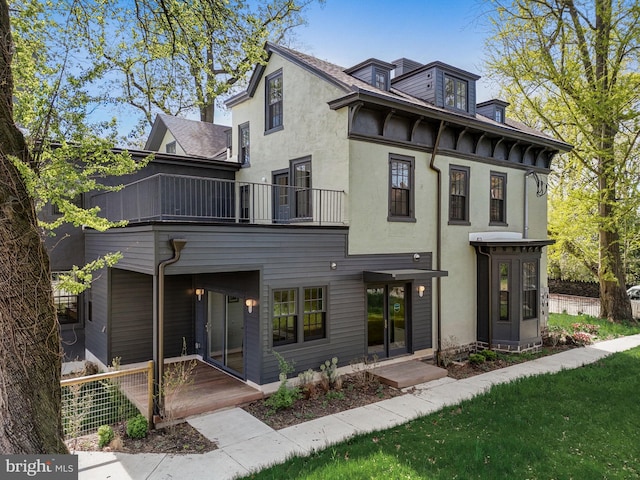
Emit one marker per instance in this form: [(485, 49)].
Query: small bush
[(137, 427), (285, 396), (105, 435), (488, 355), (476, 359)]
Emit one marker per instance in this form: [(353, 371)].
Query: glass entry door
[(386, 321), (225, 331)]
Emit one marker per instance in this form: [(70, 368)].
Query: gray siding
[(131, 326), (95, 325), (421, 85), (252, 261), (135, 244), (178, 315)]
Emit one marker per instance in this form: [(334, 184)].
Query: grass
[(576, 424), (607, 329)]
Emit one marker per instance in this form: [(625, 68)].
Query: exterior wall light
[(421, 289), (333, 265), (250, 303), (199, 293)]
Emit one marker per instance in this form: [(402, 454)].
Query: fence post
[(150, 393)]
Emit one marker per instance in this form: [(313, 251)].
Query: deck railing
[(106, 399), (181, 197)]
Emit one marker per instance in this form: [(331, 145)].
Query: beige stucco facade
[(360, 168)]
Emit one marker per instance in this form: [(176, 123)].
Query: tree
[(29, 345), (60, 158), (571, 69), (177, 56)]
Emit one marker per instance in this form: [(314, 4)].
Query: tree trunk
[(30, 419)]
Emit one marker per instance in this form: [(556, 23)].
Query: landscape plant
[(105, 435), (495, 436), (137, 427), (286, 395)]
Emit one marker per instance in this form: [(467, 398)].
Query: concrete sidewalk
[(246, 445)]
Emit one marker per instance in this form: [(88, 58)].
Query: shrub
[(137, 427), (582, 338), (105, 435), (488, 355), (285, 396), (476, 359)]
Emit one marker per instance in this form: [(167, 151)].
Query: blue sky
[(346, 32)]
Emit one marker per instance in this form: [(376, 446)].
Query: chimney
[(404, 65)]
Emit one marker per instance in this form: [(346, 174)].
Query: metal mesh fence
[(574, 305), (105, 399)]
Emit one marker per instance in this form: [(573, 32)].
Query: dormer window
[(381, 79), (499, 115), (455, 93), (373, 72), (171, 147)]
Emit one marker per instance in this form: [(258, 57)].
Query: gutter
[(433, 167), (177, 244)]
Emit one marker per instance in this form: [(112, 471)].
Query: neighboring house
[(375, 210)]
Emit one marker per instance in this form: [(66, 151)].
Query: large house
[(376, 210)]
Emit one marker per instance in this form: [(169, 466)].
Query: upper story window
[(498, 200), (499, 116), (229, 141), (401, 188), (243, 142), (274, 101), (381, 79), (455, 93), (171, 147), (301, 171), (458, 195)]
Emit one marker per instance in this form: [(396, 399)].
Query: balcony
[(164, 197)]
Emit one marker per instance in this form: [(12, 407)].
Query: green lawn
[(577, 424), (606, 329)]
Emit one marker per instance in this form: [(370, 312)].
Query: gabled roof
[(197, 139)]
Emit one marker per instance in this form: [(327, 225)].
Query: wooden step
[(407, 374)]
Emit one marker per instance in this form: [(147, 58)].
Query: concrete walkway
[(246, 445)]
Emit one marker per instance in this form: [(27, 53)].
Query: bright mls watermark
[(50, 467)]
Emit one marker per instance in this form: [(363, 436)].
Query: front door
[(225, 332), (386, 320)]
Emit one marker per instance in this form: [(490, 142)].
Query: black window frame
[(456, 84), (504, 297), (379, 73), (304, 311), (244, 150), (301, 204), (454, 205), (496, 204), (287, 335), (406, 214), (274, 114), (530, 288), (66, 303)]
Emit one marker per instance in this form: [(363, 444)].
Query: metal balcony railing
[(167, 197)]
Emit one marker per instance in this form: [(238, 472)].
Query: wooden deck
[(407, 374), (211, 389)]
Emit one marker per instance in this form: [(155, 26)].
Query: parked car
[(634, 292)]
